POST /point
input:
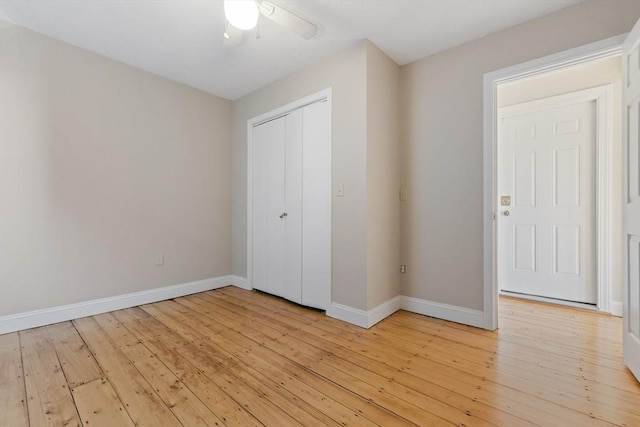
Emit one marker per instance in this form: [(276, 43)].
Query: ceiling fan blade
[(233, 36), (288, 20)]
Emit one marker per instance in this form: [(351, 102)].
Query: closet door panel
[(316, 205), (268, 205), (260, 205), (276, 182), (292, 285)]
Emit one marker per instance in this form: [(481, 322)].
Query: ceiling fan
[(242, 15)]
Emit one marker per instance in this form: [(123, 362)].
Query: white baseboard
[(452, 313), (47, 316), (355, 316), (366, 319), (241, 282), (362, 318), (383, 311), (616, 308)]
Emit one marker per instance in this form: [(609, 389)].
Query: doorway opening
[(530, 254)]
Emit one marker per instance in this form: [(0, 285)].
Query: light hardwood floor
[(238, 358)]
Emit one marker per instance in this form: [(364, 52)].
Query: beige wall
[(345, 73), (103, 167), (607, 71), (572, 79), (383, 179), (442, 144)]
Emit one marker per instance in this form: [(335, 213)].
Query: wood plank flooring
[(235, 358)]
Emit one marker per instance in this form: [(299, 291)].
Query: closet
[(290, 194)]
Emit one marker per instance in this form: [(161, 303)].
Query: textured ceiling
[(182, 39)]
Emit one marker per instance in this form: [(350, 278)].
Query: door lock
[(284, 215)]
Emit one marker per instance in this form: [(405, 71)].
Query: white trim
[(273, 114), (383, 311), (241, 282), (580, 55), (355, 316), (606, 250), (616, 308), (48, 316), (452, 313), (362, 318)]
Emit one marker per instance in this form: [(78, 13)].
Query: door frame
[(322, 95), (598, 50), (603, 98)]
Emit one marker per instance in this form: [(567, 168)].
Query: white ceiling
[(182, 39)]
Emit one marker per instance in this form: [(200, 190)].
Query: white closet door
[(277, 210), (316, 205), (268, 204), (291, 197)]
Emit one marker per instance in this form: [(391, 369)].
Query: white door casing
[(547, 170), (631, 200)]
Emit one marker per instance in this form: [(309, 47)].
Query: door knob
[(284, 214), (506, 213)]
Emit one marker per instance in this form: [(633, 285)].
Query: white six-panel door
[(547, 200), (631, 200)]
